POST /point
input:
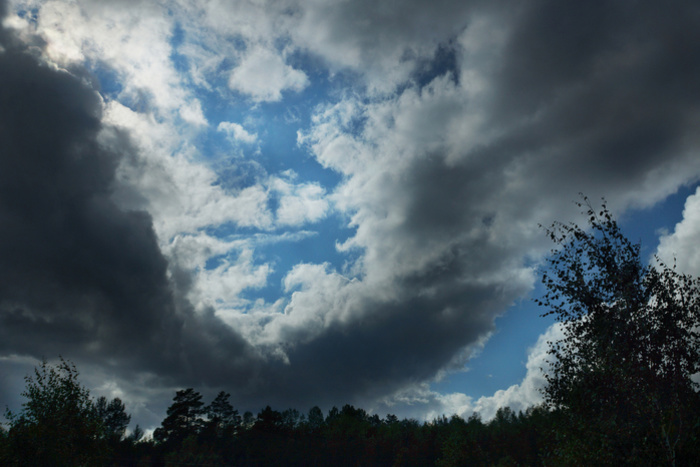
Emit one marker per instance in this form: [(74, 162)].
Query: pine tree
[(184, 418)]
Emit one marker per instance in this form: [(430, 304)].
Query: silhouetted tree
[(223, 420), (621, 374), (4, 447), (58, 424), (292, 418), (315, 418), (136, 435), (113, 417), (184, 418)]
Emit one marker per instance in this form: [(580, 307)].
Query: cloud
[(528, 392), (237, 133), (132, 40), (299, 203), (192, 113), (446, 222), (263, 75), (420, 402), (384, 45), (680, 246), (414, 184), (74, 250), (168, 179), (220, 269), (80, 276)]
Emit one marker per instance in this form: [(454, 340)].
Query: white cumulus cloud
[(237, 133), (681, 246), (263, 75)]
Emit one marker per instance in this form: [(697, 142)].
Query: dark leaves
[(630, 342)]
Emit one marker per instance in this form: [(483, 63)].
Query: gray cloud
[(596, 97), (608, 85), (392, 345), (79, 276)]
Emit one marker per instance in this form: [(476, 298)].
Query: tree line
[(60, 425), (622, 389)]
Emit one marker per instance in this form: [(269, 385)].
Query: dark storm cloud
[(611, 83), (397, 344), (3, 13), (67, 251), (394, 345), (79, 276)]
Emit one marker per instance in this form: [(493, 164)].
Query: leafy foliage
[(622, 372), (58, 424)]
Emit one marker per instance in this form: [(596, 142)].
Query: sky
[(321, 202)]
